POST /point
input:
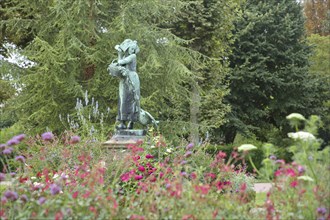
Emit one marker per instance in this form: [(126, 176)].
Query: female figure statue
[(129, 84)]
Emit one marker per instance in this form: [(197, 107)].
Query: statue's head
[(129, 46)]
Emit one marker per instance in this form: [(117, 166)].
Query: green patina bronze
[(129, 86)]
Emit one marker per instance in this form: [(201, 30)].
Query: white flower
[(301, 135), (296, 116), (152, 146), (55, 176), (306, 178), (169, 150), (33, 177), (246, 147), (38, 185)]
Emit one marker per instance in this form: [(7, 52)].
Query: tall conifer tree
[(270, 76), (73, 44)]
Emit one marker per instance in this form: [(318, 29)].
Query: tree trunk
[(194, 111)]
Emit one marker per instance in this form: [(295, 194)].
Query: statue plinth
[(124, 137)]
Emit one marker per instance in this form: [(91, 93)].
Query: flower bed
[(63, 178)]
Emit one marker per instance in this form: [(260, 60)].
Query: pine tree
[(269, 78), (73, 44), (207, 25)]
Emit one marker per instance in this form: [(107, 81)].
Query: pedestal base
[(124, 137)]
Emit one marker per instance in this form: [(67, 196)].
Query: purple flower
[(13, 141), (55, 189), (47, 136), (75, 139), (189, 146), (20, 158), (168, 185), (4, 199), (184, 174), (188, 154), (24, 198), (301, 169), (12, 174), (183, 162), (11, 195), (20, 137), (321, 210), (2, 177), (2, 146), (272, 157), (41, 200), (8, 150)]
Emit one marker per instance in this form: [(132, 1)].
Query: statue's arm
[(127, 60)]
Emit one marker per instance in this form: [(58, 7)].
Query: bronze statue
[(129, 84)]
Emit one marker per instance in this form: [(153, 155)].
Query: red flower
[(221, 155), (204, 189), (187, 217), (290, 172), (59, 216), (136, 217), (86, 195), (294, 183), (278, 172), (211, 175), (149, 156), (243, 187), (75, 195)]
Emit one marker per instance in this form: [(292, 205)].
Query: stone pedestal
[(124, 137)]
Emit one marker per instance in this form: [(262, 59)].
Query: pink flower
[(141, 168), (125, 177), (138, 177), (149, 156)]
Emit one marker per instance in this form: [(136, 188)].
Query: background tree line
[(208, 69)]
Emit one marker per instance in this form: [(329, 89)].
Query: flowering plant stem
[(254, 167)]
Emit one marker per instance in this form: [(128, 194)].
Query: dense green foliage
[(270, 76), (320, 68), (72, 44)]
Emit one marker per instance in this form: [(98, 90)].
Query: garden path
[(262, 187)]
